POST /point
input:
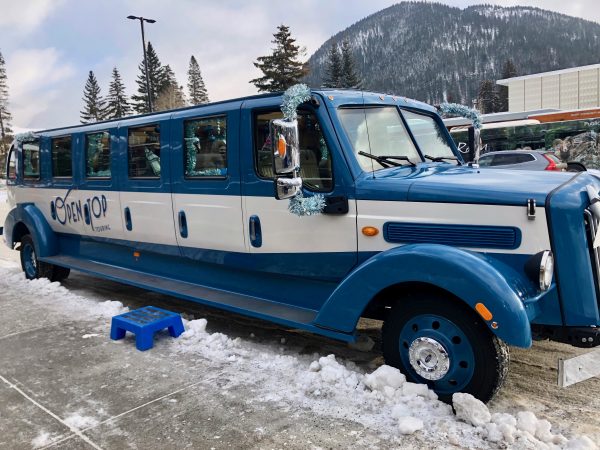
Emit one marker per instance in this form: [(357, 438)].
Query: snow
[(42, 439), (285, 379)]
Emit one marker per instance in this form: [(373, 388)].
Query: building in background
[(567, 89)]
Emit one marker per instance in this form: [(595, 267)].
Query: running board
[(287, 315)]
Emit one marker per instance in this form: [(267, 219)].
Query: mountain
[(434, 52)]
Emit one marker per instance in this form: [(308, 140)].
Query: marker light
[(483, 311), (370, 231), (281, 147)]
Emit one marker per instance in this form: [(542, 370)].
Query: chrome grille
[(591, 226)]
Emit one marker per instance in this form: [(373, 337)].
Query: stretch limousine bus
[(457, 262)]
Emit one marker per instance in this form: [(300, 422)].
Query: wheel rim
[(29, 260), (437, 352)]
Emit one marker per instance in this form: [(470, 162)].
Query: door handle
[(128, 223), (255, 232), (183, 230), (86, 214)]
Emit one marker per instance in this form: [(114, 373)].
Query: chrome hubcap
[(429, 358)]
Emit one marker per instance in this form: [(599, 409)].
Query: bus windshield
[(378, 131), (432, 141)]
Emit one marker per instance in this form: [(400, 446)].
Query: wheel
[(29, 262), (60, 273), (438, 341), (574, 166)]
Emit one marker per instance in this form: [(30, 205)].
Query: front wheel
[(443, 343)]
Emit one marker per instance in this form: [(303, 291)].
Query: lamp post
[(142, 20)]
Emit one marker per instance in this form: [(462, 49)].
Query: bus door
[(280, 243), (145, 185), (205, 171)]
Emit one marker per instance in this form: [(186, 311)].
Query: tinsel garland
[(292, 98), (324, 149), (306, 206), (26, 137), (455, 109)]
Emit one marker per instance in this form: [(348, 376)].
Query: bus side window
[(97, 155), (144, 152), (11, 169), (205, 147), (31, 160), (62, 157)]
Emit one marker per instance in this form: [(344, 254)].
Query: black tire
[(477, 361), (60, 273), (32, 267), (574, 166)]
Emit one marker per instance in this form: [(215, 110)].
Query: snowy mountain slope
[(434, 52)]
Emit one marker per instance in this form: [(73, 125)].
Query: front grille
[(591, 226)]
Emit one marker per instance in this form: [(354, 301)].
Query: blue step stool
[(144, 322)]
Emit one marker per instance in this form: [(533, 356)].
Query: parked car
[(525, 160)]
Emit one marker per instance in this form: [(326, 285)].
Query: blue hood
[(460, 184)]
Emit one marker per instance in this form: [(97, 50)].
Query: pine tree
[(509, 70), (171, 94), (156, 74), (487, 98), (196, 86), (117, 102), (350, 79), (94, 108), (333, 68), (5, 116), (282, 68)]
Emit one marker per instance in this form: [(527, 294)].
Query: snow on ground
[(279, 375)]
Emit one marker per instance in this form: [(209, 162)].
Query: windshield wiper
[(441, 158), (388, 161)]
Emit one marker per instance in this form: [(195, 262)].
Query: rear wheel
[(35, 268), (443, 343)]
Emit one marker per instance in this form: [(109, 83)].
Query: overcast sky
[(50, 45)]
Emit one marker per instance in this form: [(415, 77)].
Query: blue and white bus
[(457, 262)]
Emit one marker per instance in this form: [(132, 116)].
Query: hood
[(462, 184)]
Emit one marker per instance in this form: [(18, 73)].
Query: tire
[(29, 263), (452, 348), (60, 273), (574, 166)]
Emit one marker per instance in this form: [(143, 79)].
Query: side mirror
[(285, 148)]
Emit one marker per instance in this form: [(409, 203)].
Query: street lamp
[(142, 20)]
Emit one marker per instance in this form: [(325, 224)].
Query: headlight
[(540, 268)]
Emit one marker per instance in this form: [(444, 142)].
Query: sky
[(51, 45)]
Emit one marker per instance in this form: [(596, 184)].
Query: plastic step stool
[(144, 322)]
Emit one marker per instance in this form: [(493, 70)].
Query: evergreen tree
[(509, 70), (487, 98), (94, 108), (282, 68), (350, 79), (156, 75), (196, 87), (117, 102), (5, 116), (170, 95), (333, 68)]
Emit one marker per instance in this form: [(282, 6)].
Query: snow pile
[(383, 399), (79, 422), (14, 285)]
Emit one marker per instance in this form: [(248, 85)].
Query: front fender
[(44, 239), (471, 277)]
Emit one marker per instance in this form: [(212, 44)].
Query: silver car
[(523, 160)]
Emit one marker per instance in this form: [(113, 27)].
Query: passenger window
[(62, 157), (11, 170), (205, 147), (97, 155), (144, 152), (486, 161), (316, 169), (31, 160)]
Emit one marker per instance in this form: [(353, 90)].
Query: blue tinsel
[(306, 206), (455, 109), (25, 137), (292, 98)]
